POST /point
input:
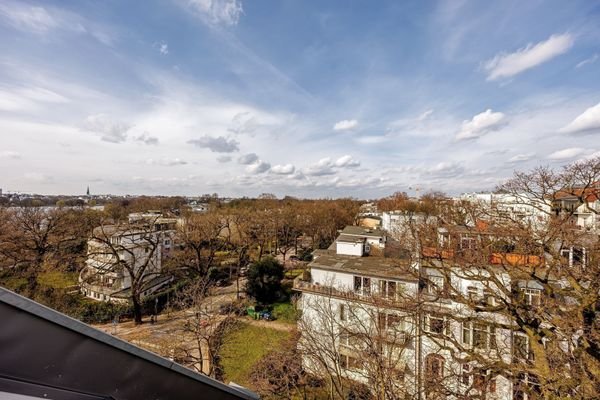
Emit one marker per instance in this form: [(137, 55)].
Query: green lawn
[(246, 345), (57, 279)]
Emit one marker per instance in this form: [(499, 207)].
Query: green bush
[(285, 312)]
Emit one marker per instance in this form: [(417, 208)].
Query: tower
[(88, 191)]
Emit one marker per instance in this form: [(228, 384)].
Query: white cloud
[(218, 144), (286, 169), (587, 121), (226, 12), (566, 154), (258, 167), (347, 161), (224, 159), (247, 159), (587, 61), (481, 124), (321, 168), (28, 98), (166, 162), (373, 139), (506, 65), (345, 125), (28, 18), (521, 157), (13, 155), (425, 115), (108, 130), (163, 48)]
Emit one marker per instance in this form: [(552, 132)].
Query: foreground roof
[(46, 354)]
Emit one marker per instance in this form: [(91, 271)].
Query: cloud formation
[(480, 124), (108, 130), (258, 167), (347, 161), (166, 162), (587, 121), (567, 154), (286, 169), (219, 144), (345, 125), (224, 159), (146, 139), (247, 159), (521, 158), (225, 12), (506, 65), (28, 18), (320, 168)]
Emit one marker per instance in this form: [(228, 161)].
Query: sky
[(308, 98)]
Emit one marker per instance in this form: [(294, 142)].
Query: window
[(532, 297), (389, 289), (349, 362), (362, 285), (526, 387), (480, 378), (468, 243), (434, 367), (465, 375), (472, 293), (167, 242), (436, 285), (437, 324), (479, 335), (387, 321), (484, 381), (521, 351), (489, 298), (343, 316)]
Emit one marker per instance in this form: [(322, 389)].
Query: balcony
[(305, 286)]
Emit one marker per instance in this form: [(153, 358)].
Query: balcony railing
[(373, 298)]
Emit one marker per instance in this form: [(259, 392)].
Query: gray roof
[(361, 231), (350, 239), (370, 266), (45, 348)]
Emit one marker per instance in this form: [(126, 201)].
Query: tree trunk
[(137, 310)]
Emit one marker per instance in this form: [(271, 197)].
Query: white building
[(118, 253), (363, 312)]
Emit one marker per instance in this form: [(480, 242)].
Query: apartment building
[(119, 253), (423, 326)]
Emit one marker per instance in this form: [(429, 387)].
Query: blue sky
[(306, 98)]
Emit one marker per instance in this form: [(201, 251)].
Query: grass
[(244, 346), (285, 312), (57, 279)]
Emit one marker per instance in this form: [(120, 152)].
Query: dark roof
[(44, 351)]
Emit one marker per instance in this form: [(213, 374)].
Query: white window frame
[(471, 328), (445, 322), (365, 285)]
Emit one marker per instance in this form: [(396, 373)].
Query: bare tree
[(197, 341), (128, 255)]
